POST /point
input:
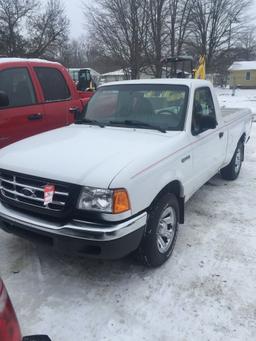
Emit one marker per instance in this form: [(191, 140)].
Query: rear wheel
[(161, 234), (232, 170)]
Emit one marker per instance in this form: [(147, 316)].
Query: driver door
[(208, 145)]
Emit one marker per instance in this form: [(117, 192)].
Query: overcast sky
[(74, 10)]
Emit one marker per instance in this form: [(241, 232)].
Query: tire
[(160, 237), (232, 170)]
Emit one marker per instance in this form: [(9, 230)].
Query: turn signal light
[(121, 201)]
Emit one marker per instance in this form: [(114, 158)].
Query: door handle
[(73, 110), (35, 117), (221, 135), (186, 158)]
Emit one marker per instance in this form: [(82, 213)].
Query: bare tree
[(120, 26), (12, 16), (245, 43), (178, 24), (213, 24), (157, 12), (48, 30), (73, 54), (29, 29), (138, 33)]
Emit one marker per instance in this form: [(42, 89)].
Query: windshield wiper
[(87, 121), (135, 123)]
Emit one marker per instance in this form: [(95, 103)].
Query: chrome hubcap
[(238, 160), (166, 229)]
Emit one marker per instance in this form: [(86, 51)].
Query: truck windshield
[(147, 106)]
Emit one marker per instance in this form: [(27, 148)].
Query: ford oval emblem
[(28, 192)]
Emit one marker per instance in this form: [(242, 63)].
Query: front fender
[(144, 186)]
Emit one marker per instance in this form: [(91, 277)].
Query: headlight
[(104, 200), (96, 199)]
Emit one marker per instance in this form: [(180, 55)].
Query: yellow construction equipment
[(200, 72)]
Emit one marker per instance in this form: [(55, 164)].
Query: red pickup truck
[(9, 325), (35, 96)]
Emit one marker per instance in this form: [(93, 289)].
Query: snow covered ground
[(206, 291)]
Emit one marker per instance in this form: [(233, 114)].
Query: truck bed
[(230, 114)]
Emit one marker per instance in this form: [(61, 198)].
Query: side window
[(53, 84), (16, 83), (203, 107), (248, 76), (85, 74), (88, 75)]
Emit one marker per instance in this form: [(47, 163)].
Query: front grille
[(13, 187), (28, 193)]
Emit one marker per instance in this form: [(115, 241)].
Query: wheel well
[(242, 138), (176, 188)]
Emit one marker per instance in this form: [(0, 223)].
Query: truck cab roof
[(171, 81), (8, 60)]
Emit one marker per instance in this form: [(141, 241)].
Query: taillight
[(9, 326)]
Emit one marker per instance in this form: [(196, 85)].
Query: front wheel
[(159, 240), (232, 170)]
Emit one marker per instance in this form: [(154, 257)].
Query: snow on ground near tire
[(206, 291)]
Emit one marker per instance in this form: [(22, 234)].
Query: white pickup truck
[(118, 179)]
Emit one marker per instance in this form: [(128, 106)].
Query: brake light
[(9, 326)]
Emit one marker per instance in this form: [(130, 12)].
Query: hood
[(81, 154)]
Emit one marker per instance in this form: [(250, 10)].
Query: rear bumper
[(101, 240)]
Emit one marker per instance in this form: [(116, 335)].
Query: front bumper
[(101, 240)]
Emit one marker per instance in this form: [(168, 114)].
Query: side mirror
[(207, 122), (36, 338), (4, 99), (202, 123)]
